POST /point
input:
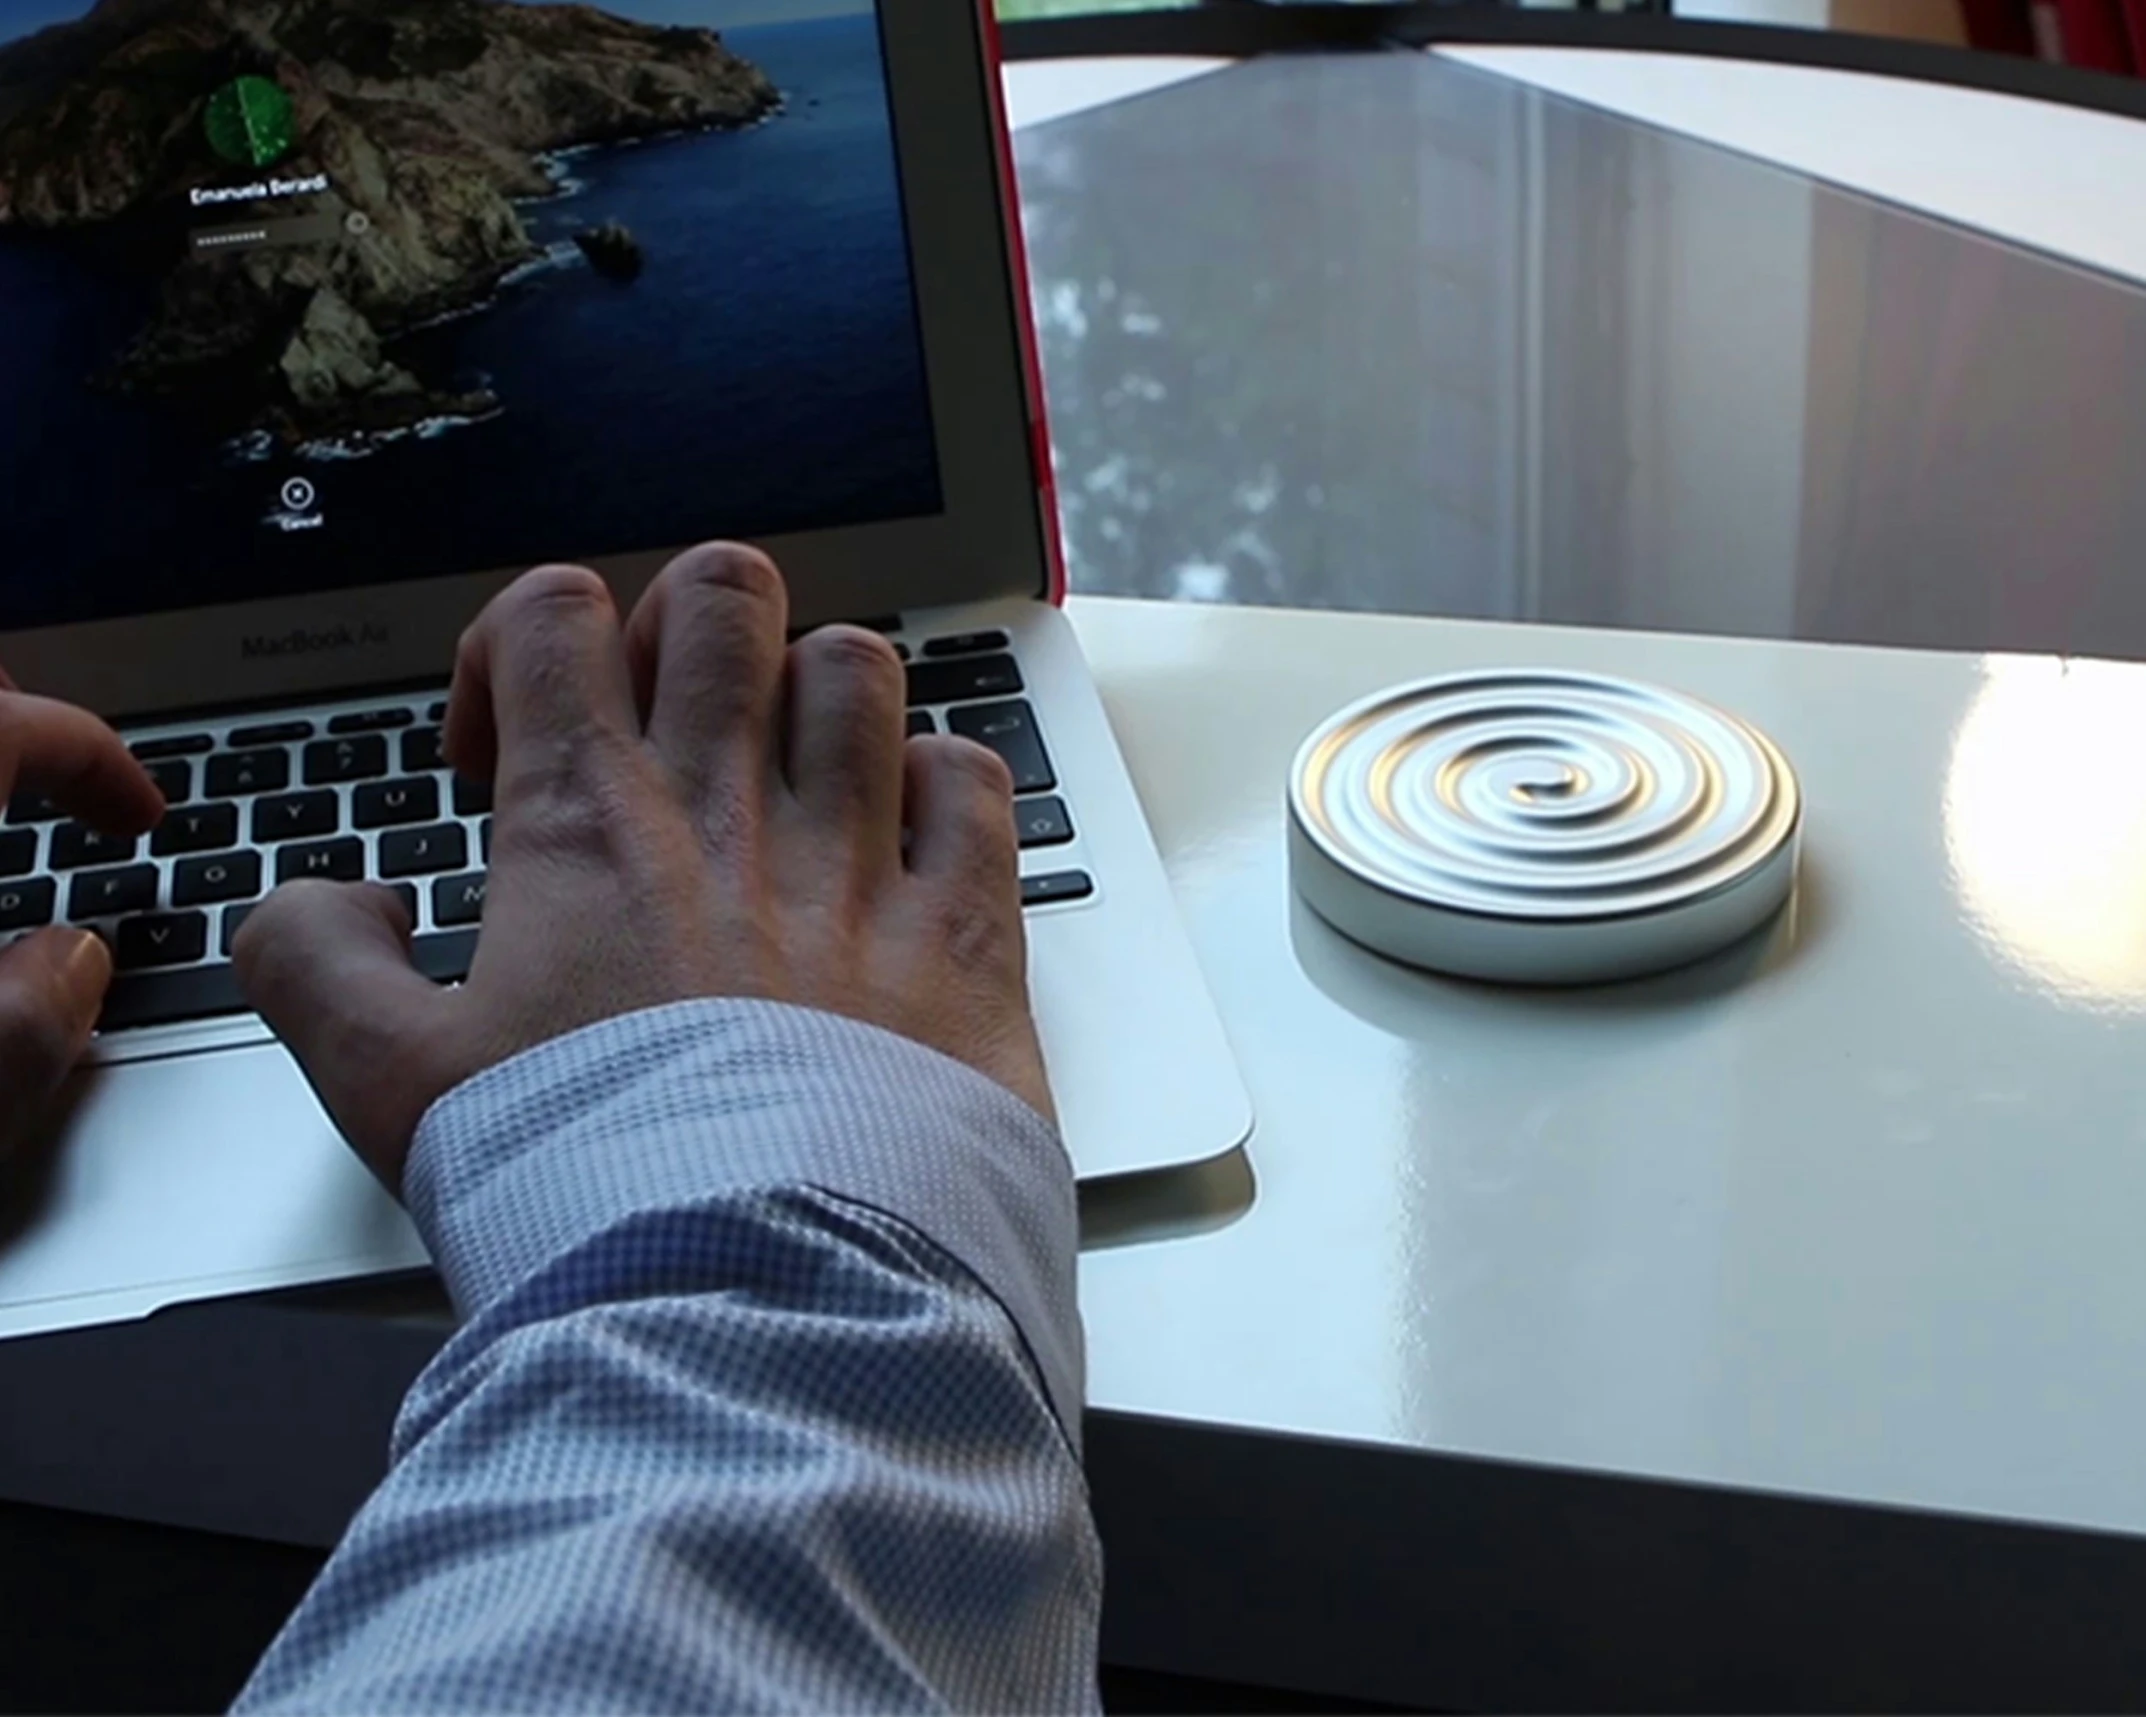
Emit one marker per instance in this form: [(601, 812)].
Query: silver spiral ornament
[(1541, 826)]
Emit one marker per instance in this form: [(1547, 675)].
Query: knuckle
[(566, 591), (852, 652), (589, 801), (731, 821), (589, 769), (977, 764), (554, 824), (727, 567), (976, 930)]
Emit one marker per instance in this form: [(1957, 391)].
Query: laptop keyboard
[(362, 793)]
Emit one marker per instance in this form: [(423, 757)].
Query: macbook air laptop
[(319, 321)]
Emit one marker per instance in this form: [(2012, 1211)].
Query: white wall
[(2058, 179)]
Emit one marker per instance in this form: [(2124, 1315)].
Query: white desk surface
[(1850, 1213)]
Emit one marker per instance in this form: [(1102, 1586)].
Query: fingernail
[(85, 964)]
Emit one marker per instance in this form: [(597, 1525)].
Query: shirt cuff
[(519, 1165)]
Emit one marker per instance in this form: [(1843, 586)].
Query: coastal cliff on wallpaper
[(427, 123)]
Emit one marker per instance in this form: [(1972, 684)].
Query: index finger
[(538, 673), (54, 748)]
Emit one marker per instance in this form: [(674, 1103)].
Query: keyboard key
[(270, 733), (438, 712), (77, 844), (164, 939), (421, 751), (902, 652), (227, 876), (292, 816), (472, 798), (966, 644), (245, 772), (33, 808), (370, 720), (1043, 822), (1010, 730), (458, 899), (358, 759), (484, 839), (177, 745), (421, 852), (377, 804), (107, 893), (920, 721), (406, 892), (196, 829), (444, 956), (18, 852), (337, 861), (23, 904), (1057, 886), (175, 780), (971, 677)]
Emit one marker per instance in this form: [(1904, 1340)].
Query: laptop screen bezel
[(989, 540)]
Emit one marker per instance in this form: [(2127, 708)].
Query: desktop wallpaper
[(300, 294)]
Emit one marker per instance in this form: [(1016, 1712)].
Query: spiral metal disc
[(1542, 827)]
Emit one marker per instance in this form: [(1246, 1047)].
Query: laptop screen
[(297, 295)]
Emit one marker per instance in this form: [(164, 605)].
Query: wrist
[(519, 1166)]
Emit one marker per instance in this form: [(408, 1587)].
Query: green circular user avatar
[(249, 123)]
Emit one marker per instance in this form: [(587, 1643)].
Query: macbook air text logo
[(304, 642)]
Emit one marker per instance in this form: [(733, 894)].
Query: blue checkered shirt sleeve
[(766, 1397)]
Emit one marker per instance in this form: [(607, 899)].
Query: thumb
[(51, 986), (328, 967)]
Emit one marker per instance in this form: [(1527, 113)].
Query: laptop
[(322, 321)]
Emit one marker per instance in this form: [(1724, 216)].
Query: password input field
[(265, 234)]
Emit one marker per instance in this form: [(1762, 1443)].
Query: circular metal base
[(1542, 827)]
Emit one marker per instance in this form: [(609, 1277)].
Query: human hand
[(52, 981), (682, 809)]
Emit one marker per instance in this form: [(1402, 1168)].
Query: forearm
[(724, 1431)]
